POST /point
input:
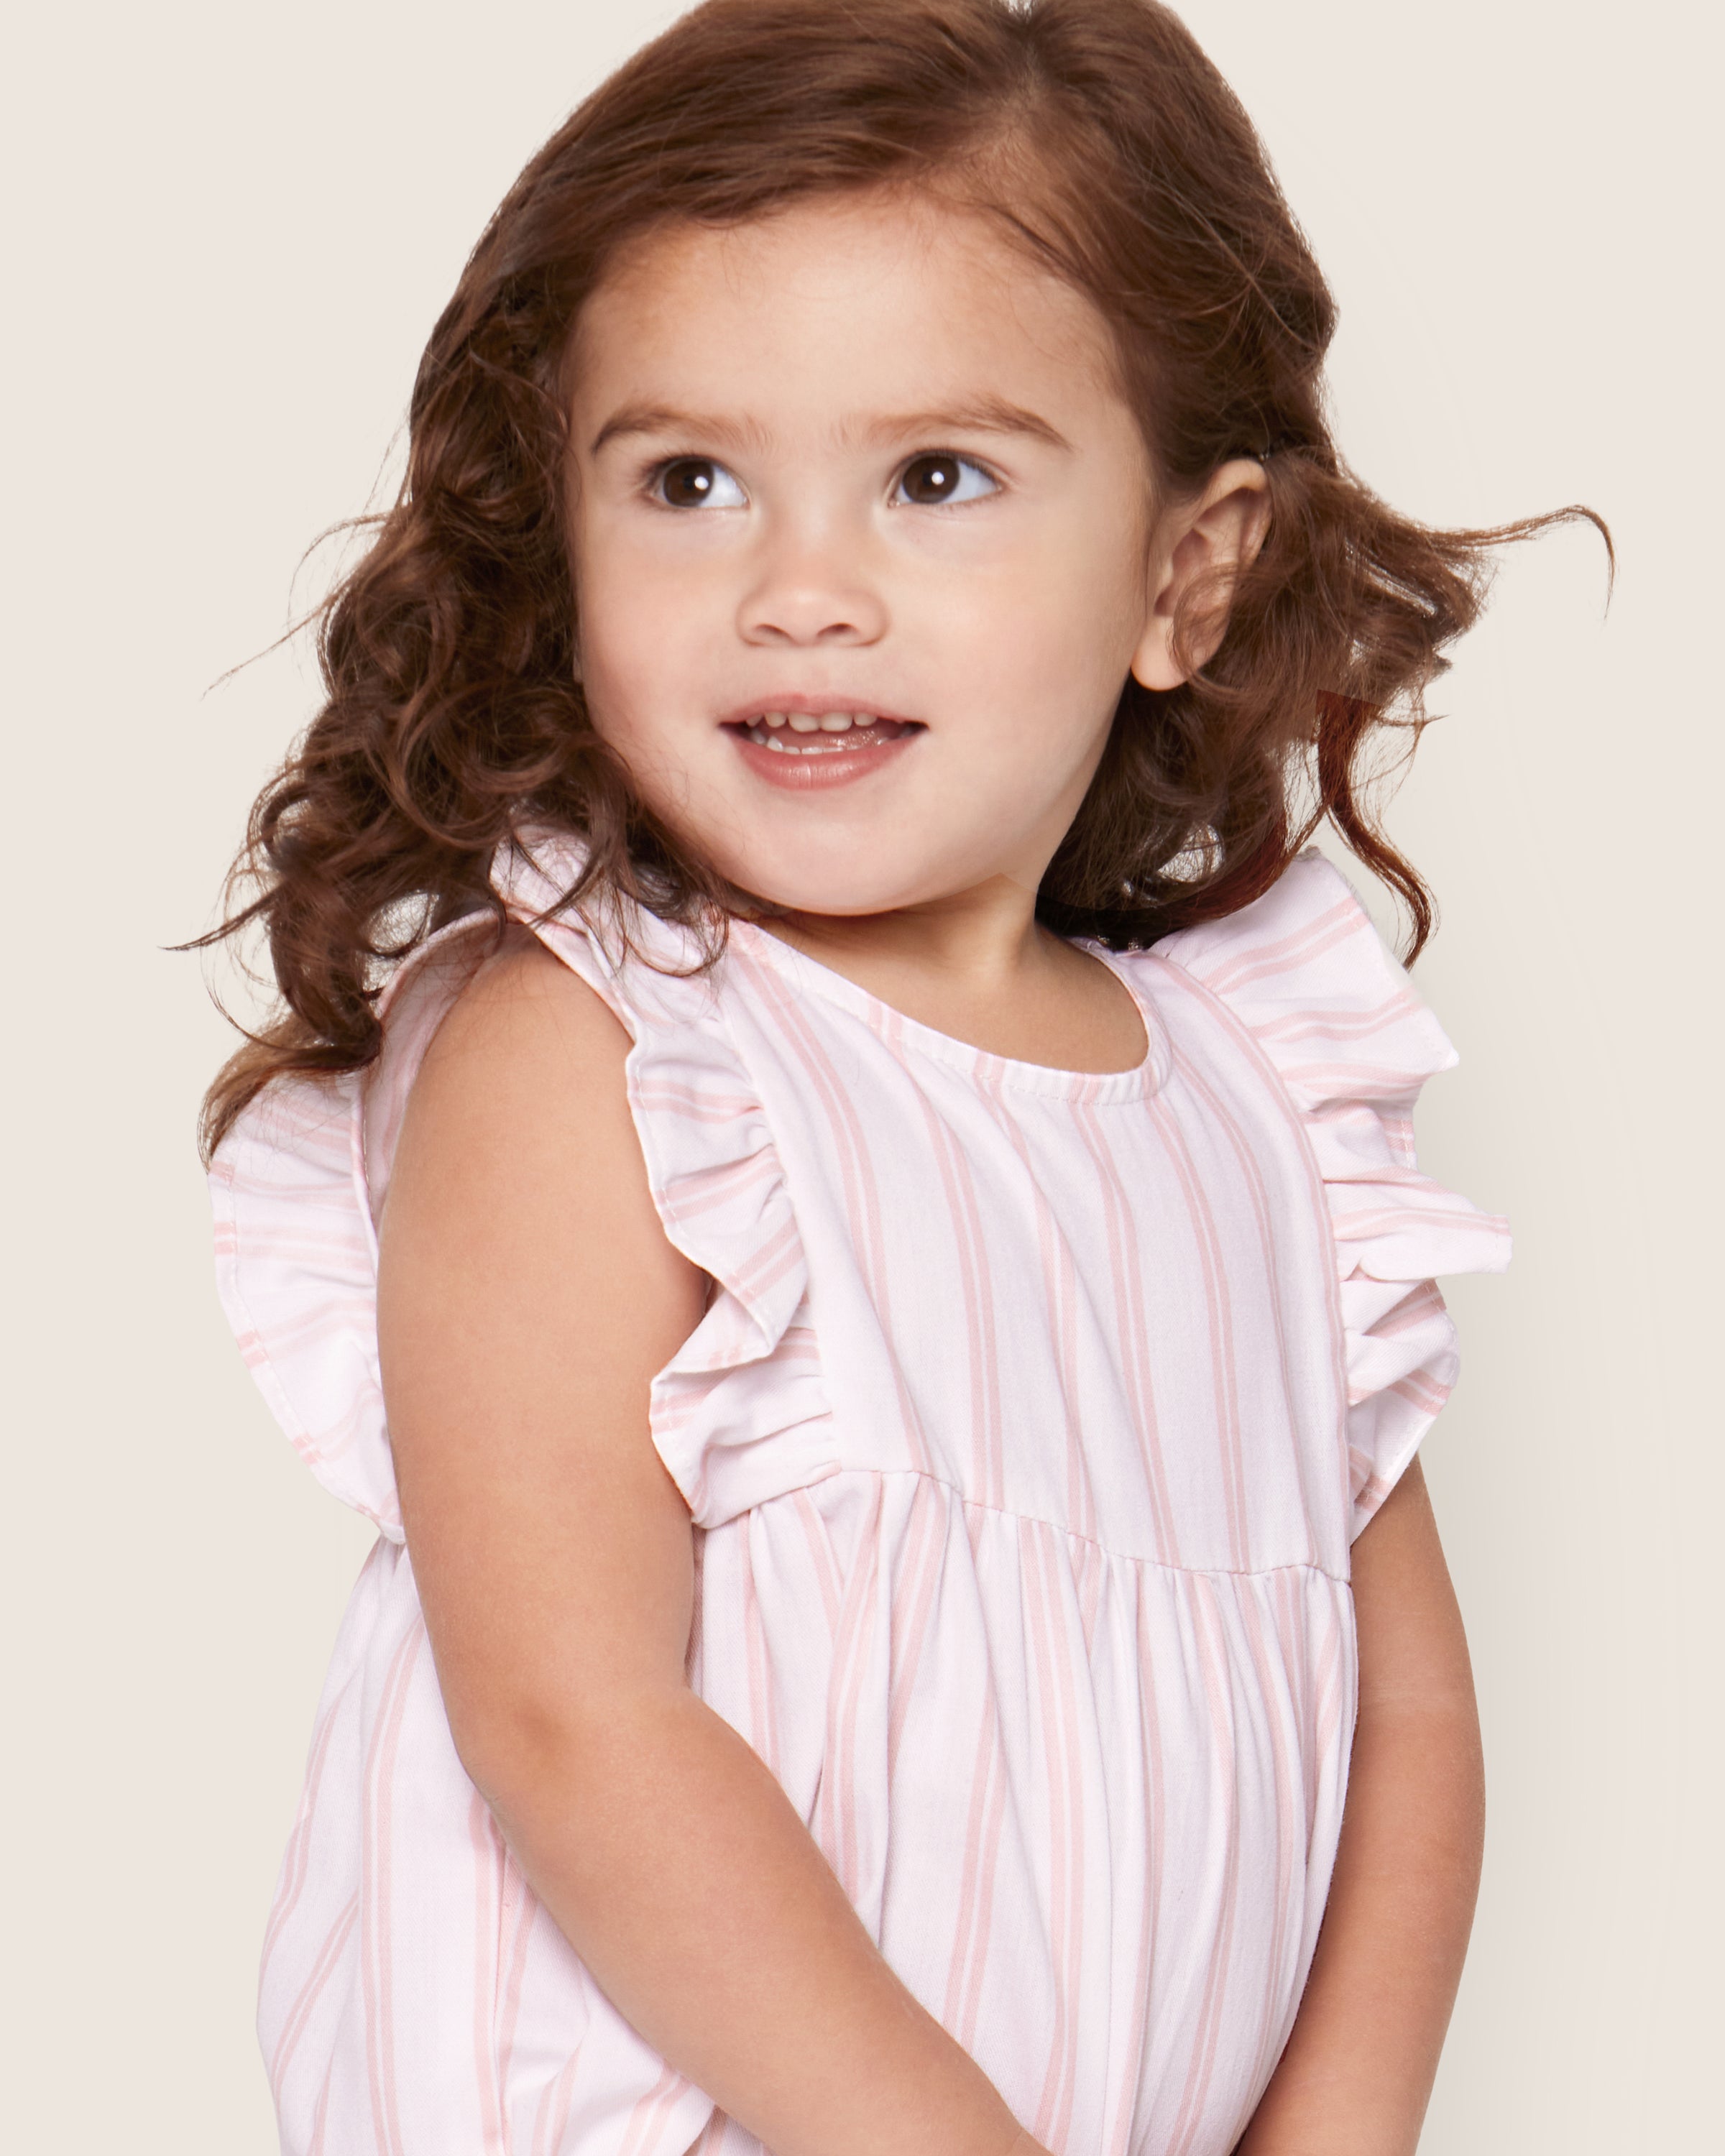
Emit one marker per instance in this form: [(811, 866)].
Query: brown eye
[(929, 481), (697, 483)]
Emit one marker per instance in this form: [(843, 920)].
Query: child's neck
[(978, 967)]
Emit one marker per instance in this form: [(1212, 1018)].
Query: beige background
[(233, 228)]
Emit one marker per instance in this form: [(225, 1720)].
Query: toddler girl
[(832, 1176)]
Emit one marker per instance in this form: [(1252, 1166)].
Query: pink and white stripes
[(1026, 1433)]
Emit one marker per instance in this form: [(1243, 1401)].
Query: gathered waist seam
[(1060, 1528)]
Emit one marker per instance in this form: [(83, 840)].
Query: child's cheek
[(637, 614), (1049, 630)]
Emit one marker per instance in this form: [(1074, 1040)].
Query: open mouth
[(824, 733)]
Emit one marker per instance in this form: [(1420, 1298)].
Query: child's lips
[(801, 751)]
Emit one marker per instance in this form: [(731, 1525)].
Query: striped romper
[(1025, 1434)]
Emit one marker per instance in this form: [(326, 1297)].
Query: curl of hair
[(1105, 144)]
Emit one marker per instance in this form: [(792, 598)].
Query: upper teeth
[(827, 722), (769, 730)]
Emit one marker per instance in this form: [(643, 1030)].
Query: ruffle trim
[(739, 1413), (1305, 971), (296, 1272)]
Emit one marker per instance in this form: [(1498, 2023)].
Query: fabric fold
[(296, 1272), (1305, 974)]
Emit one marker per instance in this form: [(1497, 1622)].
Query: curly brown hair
[(1105, 143)]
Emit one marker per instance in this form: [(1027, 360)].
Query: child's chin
[(845, 890)]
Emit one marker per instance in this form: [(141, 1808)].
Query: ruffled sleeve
[(738, 1414), (1304, 970), (295, 1187)]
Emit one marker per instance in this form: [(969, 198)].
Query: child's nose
[(812, 594)]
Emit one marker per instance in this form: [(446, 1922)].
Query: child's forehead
[(896, 290), (909, 226)]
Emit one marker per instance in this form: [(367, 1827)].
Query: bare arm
[(1357, 2072), (527, 1295)]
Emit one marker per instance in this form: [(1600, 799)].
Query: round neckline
[(893, 1026)]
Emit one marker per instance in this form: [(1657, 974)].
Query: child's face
[(856, 459)]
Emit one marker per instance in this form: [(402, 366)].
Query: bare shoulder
[(524, 1009), (518, 1148), (528, 1064)]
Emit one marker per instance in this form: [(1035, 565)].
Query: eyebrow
[(986, 415)]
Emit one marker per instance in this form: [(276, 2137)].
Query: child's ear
[(1200, 549)]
